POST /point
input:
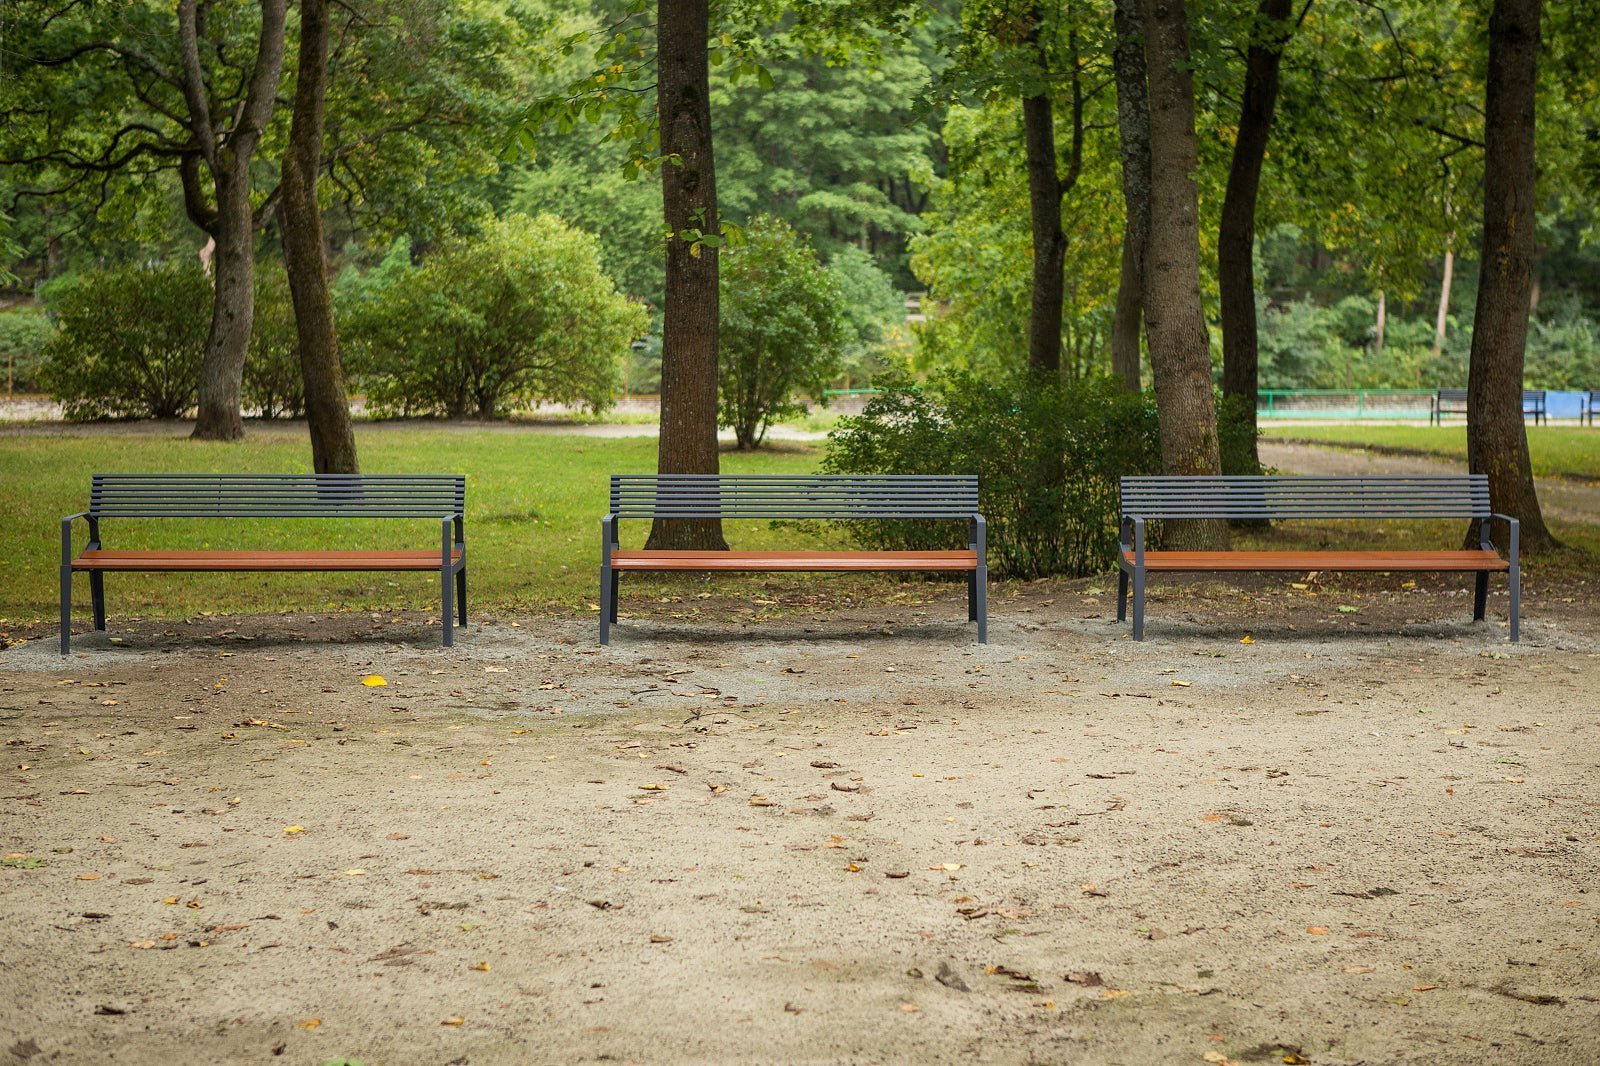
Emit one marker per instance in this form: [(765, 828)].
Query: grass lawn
[(1557, 451), (534, 502)]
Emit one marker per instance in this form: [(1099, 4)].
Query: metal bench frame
[(843, 497), (1590, 404), (1279, 497), (1454, 402), (325, 496)]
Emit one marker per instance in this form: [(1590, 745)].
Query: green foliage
[(782, 329), (1047, 456), (273, 382), (874, 314), (24, 332), (129, 342), (515, 313)]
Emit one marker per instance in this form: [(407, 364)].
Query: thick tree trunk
[(1180, 355), (226, 152), (232, 311), (333, 440), (1236, 235), (688, 443), (1133, 124), (1049, 243), (1497, 438)]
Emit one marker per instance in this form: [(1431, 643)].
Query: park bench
[(1454, 402), (845, 497), (1591, 404), (1146, 499), (271, 496)]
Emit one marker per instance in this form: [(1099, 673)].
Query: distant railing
[(1343, 404)]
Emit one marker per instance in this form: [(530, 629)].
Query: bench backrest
[(842, 496), (277, 495), (1275, 496), (1533, 397)]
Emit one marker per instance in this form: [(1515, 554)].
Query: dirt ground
[(813, 834)]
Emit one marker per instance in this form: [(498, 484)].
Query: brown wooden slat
[(1372, 560), (151, 561), (756, 561)]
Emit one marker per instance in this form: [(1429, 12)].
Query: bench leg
[(66, 610), (447, 609), (1516, 602), (980, 581), (1122, 595), (1480, 596), (606, 591), (97, 592), (972, 596), (461, 595), (1138, 604), (616, 586)]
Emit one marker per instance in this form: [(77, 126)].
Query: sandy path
[(1358, 839)]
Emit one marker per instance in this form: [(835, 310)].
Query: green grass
[(1556, 451), (534, 502)]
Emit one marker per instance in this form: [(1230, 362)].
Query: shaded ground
[(1367, 836), (1559, 498)]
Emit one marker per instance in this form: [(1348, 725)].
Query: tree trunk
[(333, 440), (1049, 243), (688, 442), (226, 152), (232, 311), (1382, 325), (1236, 235), (1497, 438), (1133, 124), (1180, 353), (1444, 302)]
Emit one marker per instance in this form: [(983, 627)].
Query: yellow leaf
[(1182, 684), (1114, 993), (355, 873), (291, 830), (311, 1023), (482, 967), (1316, 930), (1247, 639), (374, 681), (654, 788), (88, 877), (909, 1008), (948, 866), (456, 1021)]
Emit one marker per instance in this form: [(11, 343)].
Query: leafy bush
[(515, 313), (1047, 457), (24, 331), (273, 382), (782, 329), (129, 342), (874, 314)]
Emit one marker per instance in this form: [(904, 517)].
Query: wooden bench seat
[(437, 497), (842, 497), (819, 561), (300, 561), (1274, 497), (1304, 561)]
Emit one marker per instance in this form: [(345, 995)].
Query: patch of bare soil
[(771, 835)]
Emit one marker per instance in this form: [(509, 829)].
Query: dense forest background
[(897, 152)]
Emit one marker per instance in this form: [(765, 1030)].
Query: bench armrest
[(608, 535), (452, 535), (978, 532), (66, 535), (1513, 538), (1136, 544)]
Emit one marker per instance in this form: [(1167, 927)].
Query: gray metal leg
[(97, 592), (980, 578), (1122, 595), (447, 609), (616, 587), (1480, 595), (66, 610), (972, 596), (1516, 602), (461, 594), (1138, 604), (606, 592)]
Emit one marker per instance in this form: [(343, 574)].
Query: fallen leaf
[(374, 681), (1360, 969), (1423, 988), (1086, 978), (482, 967), (88, 877), (1182, 684), (949, 867), (458, 1021), (1114, 993), (1316, 930), (909, 1008), (311, 1023), (1247, 639), (291, 830)]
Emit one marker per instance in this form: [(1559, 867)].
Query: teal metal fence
[(1343, 404)]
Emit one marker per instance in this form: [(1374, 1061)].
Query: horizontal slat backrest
[(793, 496), (1535, 396), (277, 495), (1435, 496)]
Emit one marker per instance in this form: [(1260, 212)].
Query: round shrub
[(273, 383), (129, 342), (24, 331)]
